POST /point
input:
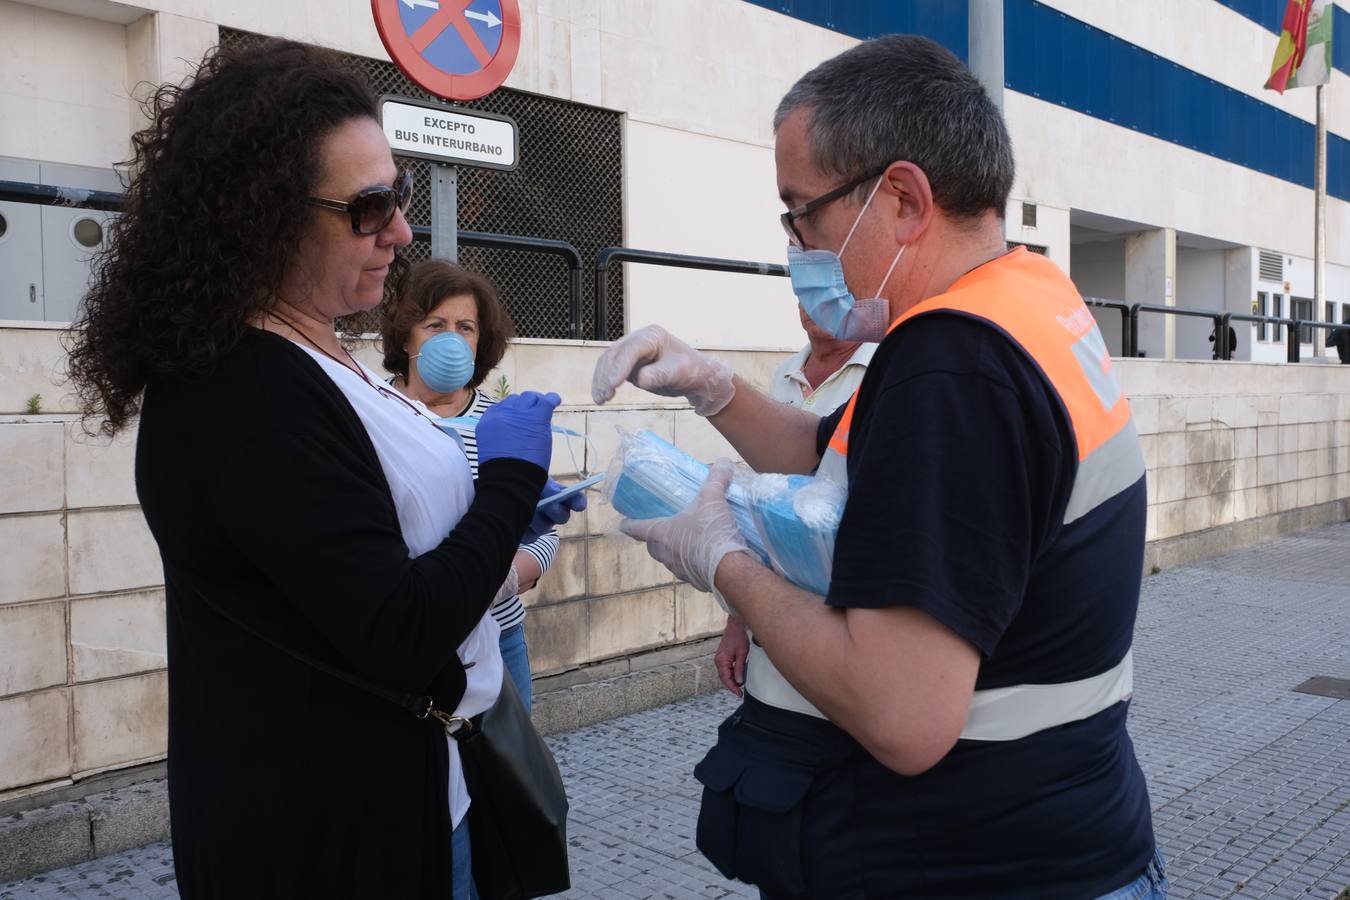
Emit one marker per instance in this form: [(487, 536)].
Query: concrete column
[(984, 26), (1151, 277), (163, 49), (1239, 283)]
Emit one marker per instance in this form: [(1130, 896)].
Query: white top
[(790, 386), (429, 478)]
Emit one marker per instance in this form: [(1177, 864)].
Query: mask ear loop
[(870, 194), (887, 277)]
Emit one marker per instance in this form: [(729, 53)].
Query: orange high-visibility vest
[(1032, 301)]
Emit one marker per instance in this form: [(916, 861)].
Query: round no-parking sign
[(453, 49)]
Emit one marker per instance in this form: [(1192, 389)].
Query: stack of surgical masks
[(788, 520)]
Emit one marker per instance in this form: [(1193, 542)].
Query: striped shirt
[(509, 611)]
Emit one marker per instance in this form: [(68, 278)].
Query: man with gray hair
[(949, 720)]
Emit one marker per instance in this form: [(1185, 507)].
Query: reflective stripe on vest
[(1032, 301)]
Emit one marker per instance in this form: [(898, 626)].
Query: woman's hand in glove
[(551, 515), (692, 543), (657, 361), (518, 428)]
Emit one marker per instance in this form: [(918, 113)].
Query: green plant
[(502, 388), (35, 405)]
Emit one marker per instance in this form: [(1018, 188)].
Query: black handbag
[(518, 813), (518, 818)]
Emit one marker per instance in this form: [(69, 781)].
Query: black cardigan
[(263, 491)]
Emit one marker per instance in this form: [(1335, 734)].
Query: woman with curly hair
[(314, 525)]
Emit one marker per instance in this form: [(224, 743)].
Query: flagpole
[(1319, 210)]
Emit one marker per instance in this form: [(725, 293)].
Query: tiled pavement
[(1250, 781)]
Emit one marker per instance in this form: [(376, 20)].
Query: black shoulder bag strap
[(419, 706)]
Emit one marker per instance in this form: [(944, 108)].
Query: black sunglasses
[(373, 208), (788, 218)]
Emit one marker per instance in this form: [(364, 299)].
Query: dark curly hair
[(216, 205), (421, 290)]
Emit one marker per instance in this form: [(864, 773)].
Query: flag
[(1303, 55)]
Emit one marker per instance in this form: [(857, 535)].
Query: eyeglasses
[(788, 218), (373, 208)]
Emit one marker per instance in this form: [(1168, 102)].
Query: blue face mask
[(445, 362), (818, 281)]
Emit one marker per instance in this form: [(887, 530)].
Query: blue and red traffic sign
[(454, 49)]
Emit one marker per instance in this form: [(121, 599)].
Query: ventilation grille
[(1271, 267), (1033, 248), (569, 186)]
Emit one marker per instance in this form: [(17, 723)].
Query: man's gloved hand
[(657, 361), (692, 542), (554, 514), (518, 428)]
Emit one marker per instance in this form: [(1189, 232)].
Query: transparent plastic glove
[(510, 587), (553, 514), (518, 428), (692, 543), (657, 361)]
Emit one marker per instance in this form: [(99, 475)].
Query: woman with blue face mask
[(442, 335)]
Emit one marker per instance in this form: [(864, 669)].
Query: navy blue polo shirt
[(960, 465)]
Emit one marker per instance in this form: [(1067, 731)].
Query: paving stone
[(1250, 782)]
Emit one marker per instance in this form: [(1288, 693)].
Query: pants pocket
[(750, 824)]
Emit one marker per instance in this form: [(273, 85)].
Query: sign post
[(444, 205), (455, 52), (448, 137)]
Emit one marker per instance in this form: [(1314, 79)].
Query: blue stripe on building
[(945, 21), (1062, 60), (1269, 14)]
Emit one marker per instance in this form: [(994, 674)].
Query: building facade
[(1152, 164)]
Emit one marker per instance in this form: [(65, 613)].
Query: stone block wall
[(1237, 443)]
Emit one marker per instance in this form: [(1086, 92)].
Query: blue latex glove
[(518, 428), (554, 514)]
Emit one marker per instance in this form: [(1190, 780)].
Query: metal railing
[(1126, 349), (1130, 314), (1216, 316), (658, 258), (109, 201), (569, 254)]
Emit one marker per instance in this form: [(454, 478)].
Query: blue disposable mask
[(818, 281), (445, 362)]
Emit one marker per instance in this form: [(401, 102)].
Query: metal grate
[(569, 186), (1326, 686), (1032, 248), (1271, 266)]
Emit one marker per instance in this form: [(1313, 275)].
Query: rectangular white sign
[(448, 135)]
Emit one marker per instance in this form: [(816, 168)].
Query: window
[(87, 233), (1301, 308), (4, 226), (1260, 310), (1277, 312), (1028, 215), (1345, 313)]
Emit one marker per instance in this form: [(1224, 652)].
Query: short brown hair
[(421, 290)]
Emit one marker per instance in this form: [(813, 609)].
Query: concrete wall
[(82, 681)]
